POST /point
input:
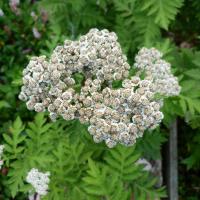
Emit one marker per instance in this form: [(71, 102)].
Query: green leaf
[(121, 160), (4, 104), (99, 181), (163, 11), (145, 30), (150, 144), (15, 180), (144, 188), (14, 139), (193, 73)]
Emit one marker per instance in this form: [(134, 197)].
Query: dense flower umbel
[(39, 181), (121, 115), (1, 152), (150, 61), (114, 115)]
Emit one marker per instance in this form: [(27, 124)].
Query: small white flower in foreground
[(36, 33), (1, 13), (33, 14), (1, 152), (39, 181)]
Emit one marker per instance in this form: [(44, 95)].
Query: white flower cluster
[(95, 54), (34, 197), (120, 115), (49, 84), (1, 152), (114, 115), (39, 181), (150, 61)]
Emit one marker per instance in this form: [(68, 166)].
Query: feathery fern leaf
[(14, 139), (101, 182), (150, 144), (126, 9), (147, 32), (164, 11), (16, 176), (144, 188), (121, 160)]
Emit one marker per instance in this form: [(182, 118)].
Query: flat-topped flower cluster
[(39, 181), (158, 70), (114, 115)]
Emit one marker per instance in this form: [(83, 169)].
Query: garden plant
[(88, 90)]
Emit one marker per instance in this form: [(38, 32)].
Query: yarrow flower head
[(114, 115), (39, 181), (1, 153), (150, 61)]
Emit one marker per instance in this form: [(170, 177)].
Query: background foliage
[(81, 169)]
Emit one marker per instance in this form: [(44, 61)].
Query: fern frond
[(150, 144), (147, 32), (163, 11), (100, 182), (121, 161), (38, 135), (16, 176), (126, 9), (14, 139), (96, 180), (144, 188)]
